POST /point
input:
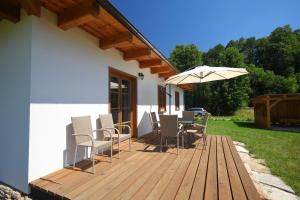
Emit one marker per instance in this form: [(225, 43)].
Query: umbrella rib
[(236, 71), (183, 79), (220, 75)]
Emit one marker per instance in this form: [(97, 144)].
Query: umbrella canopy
[(205, 73)]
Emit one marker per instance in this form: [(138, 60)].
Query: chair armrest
[(108, 130), (124, 125), (85, 135)]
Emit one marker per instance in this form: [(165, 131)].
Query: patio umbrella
[(202, 74), (205, 73)]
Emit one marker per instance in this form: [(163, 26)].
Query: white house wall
[(69, 77), (15, 45)]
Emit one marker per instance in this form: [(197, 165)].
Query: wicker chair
[(106, 122), (83, 133), (169, 129), (155, 123)]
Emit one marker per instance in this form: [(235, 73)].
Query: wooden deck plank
[(56, 177), (211, 187), (172, 188), (249, 187), (234, 178), (71, 184), (166, 178), (115, 177), (143, 192), (215, 172), (198, 189), (71, 179), (188, 181), (223, 179), (139, 181)]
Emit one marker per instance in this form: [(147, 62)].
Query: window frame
[(162, 100)]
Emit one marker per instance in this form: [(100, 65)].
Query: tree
[(266, 82), (212, 57), (186, 56), (278, 58), (281, 51), (230, 95)]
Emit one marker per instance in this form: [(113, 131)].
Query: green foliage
[(230, 95), (186, 56), (266, 82), (278, 54), (212, 57)]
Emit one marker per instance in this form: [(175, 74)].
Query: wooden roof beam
[(115, 41), (32, 7), (150, 63), (78, 15), (136, 54), (166, 74), (9, 11), (159, 69)]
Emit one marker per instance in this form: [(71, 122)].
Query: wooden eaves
[(102, 20)]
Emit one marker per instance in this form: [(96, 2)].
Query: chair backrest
[(82, 125), (154, 120), (106, 121), (187, 115), (168, 125), (205, 120)]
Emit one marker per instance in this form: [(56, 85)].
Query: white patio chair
[(106, 122), (83, 133)]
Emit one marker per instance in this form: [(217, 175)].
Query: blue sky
[(207, 22)]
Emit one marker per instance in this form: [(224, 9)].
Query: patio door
[(122, 99)]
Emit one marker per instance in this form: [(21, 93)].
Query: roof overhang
[(102, 20)]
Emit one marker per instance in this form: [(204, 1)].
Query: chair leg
[(129, 144), (111, 148), (75, 156), (177, 145), (118, 148), (161, 143), (182, 141), (93, 158)]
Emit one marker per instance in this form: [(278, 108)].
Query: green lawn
[(280, 149)]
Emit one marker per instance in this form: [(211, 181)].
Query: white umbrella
[(205, 73)]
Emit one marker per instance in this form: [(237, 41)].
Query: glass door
[(121, 101)]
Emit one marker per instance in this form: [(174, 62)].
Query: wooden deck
[(215, 172)]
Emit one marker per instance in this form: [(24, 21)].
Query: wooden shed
[(277, 109)]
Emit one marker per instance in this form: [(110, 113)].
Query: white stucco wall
[(15, 44), (69, 77), (48, 75)]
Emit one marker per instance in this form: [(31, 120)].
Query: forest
[(273, 63)]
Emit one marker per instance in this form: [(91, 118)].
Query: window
[(177, 101), (161, 98)]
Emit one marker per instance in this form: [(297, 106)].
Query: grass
[(280, 149)]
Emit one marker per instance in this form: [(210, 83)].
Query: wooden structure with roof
[(102, 20), (277, 109)]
